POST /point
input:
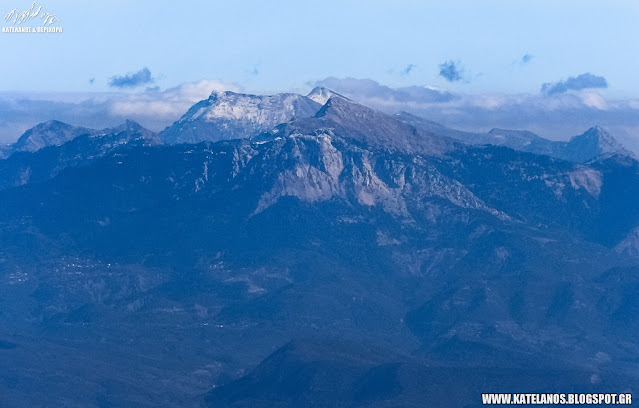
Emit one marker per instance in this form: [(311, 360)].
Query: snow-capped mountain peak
[(231, 115), (321, 95)]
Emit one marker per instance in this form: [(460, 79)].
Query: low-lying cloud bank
[(152, 108), (555, 115)]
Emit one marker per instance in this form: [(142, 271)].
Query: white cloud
[(594, 100), (488, 101), (168, 104)]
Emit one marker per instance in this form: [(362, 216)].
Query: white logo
[(24, 20)]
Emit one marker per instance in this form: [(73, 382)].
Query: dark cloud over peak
[(450, 71), (583, 81), (408, 69), (142, 77), (527, 58)]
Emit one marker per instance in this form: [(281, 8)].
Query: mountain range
[(596, 142), (289, 250)]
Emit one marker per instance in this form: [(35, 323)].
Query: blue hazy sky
[(267, 46)]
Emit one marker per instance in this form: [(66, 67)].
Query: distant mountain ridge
[(56, 133), (49, 133), (45, 150), (229, 115), (596, 142)]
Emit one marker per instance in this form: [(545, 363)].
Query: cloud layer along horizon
[(553, 114), (152, 108)]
